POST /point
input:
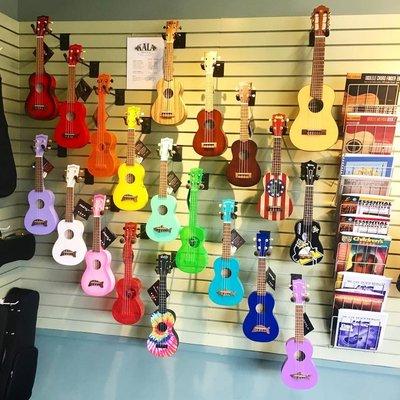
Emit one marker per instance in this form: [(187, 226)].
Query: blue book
[(367, 165)]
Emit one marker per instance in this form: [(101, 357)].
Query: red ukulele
[(244, 170), (71, 131), (128, 308), (41, 102)]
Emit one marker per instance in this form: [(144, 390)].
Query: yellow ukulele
[(169, 109), (130, 194), (314, 128)]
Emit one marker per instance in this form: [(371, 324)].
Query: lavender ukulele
[(41, 217), (298, 370)]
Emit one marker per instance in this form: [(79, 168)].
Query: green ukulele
[(192, 257)]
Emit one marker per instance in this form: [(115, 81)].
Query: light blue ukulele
[(226, 289), (163, 225)]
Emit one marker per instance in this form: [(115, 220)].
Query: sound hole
[(243, 155), (209, 124), (226, 273), (102, 146), (69, 234), (299, 355), (70, 116), (259, 308), (97, 264), (162, 327), (193, 242), (130, 293), (315, 105), (130, 178), (168, 93), (39, 88), (39, 204), (162, 210), (353, 146)]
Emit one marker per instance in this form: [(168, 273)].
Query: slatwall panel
[(272, 53)]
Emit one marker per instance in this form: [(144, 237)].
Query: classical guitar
[(275, 203), (130, 193), (226, 289), (41, 102), (307, 248), (169, 109), (128, 308), (163, 341), (298, 370), (41, 217), (209, 140), (192, 257), (70, 248), (260, 324), (163, 225), (71, 131), (314, 128), (244, 170), (98, 278), (102, 160)]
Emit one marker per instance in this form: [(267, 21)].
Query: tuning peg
[(122, 240), (292, 299), (269, 252), (108, 201), (255, 253), (79, 178), (187, 186), (306, 299), (164, 27)]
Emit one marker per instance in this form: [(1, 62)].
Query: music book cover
[(365, 185), (367, 165), (345, 298), (364, 225), (366, 206)]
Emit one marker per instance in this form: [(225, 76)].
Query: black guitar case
[(8, 175), (18, 353), (16, 247)]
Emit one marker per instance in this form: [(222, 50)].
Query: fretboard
[(193, 205), (131, 151), (162, 189), (39, 181), (39, 55), (317, 77), (308, 205), (69, 205), (71, 98), (276, 155), (209, 93), (96, 234), (162, 294), (128, 270), (261, 288), (299, 323), (244, 122), (101, 114), (169, 61), (226, 240)]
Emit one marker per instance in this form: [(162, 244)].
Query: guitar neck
[(71, 97), (131, 144), (69, 205), (96, 234), (308, 206), (261, 287), (39, 55), (101, 113), (193, 206), (244, 122), (317, 77), (162, 189), (276, 155), (128, 264), (39, 180), (299, 323), (209, 93), (169, 61), (226, 240), (162, 294)]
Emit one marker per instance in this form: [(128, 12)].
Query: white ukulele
[(70, 248)]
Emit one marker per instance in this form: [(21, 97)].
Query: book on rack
[(364, 185), (365, 206), (364, 225), (367, 165)]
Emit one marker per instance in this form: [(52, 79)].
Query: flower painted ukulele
[(298, 370), (41, 217), (98, 278), (275, 203), (260, 324), (163, 341), (70, 248), (130, 194), (128, 308), (192, 257), (226, 289)]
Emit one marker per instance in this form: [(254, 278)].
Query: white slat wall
[(273, 54)]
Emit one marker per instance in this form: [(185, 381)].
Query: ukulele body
[(42, 102), (261, 326), (210, 140), (169, 108), (130, 196), (274, 203), (321, 121), (71, 131), (128, 308), (243, 170)]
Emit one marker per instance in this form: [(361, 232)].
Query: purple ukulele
[(298, 370), (41, 217)]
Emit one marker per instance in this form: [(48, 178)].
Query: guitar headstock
[(99, 204), (320, 20), (74, 54), (104, 83), (279, 124), (72, 174), (42, 25), (133, 114), (40, 145), (195, 178), (245, 92), (165, 148), (130, 236), (164, 265), (209, 62), (171, 28), (263, 239), (299, 289), (228, 210), (309, 172)]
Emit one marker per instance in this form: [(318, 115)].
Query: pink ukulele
[(298, 370), (98, 278)]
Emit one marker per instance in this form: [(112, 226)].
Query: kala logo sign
[(145, 47)]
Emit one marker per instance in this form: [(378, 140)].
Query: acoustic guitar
[(102, 159), (41, 102), (314, 128), (71, 131), (169, 109)]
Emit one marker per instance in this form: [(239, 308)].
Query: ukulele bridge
[(39, 222), (167, 114), (96, 283), (226, 293), (209, 145), (70, 135), (299, 376), (129, 197), (243, 175), (261, 328), (274, 208), (313, 132), (39, 107), (161, 346), (68, 253), (162, 229)]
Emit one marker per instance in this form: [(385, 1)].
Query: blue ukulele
[(260, 324), (226, 289)]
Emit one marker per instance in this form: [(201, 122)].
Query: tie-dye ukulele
[(163, 341)]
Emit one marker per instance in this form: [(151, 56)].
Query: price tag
[(83, 209), (47, 167), (236, 241), (153, 292), (142, 151), (173, 182), (271, 278), (107, 237), (308, 326)]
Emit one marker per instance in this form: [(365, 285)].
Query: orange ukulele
[(102, 160)]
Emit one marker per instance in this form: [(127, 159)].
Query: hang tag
[(153, 292), (236, 241), (252, 98), (205, 181), (219, 69), (47, 166), (146, 125), (47, 53), (142, 151), (83, 90), (107, 237), (173, 181), (270, 278), (308, 326), (176, 153), (83, 209)]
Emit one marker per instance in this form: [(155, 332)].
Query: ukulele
[(306, 248), (71, 131), (130, 193), (209, 140), (163, 225), (244, 170), (70, 248), (192, 257), (169, 109), (260, 324), (275, 203), (128, 308), (163, 341), (98, 278), (41, 217), (226, 289), (298, 370), (41, 102), (102, 160), (314, 128)]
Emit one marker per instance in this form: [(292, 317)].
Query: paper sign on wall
[(144, 65)]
